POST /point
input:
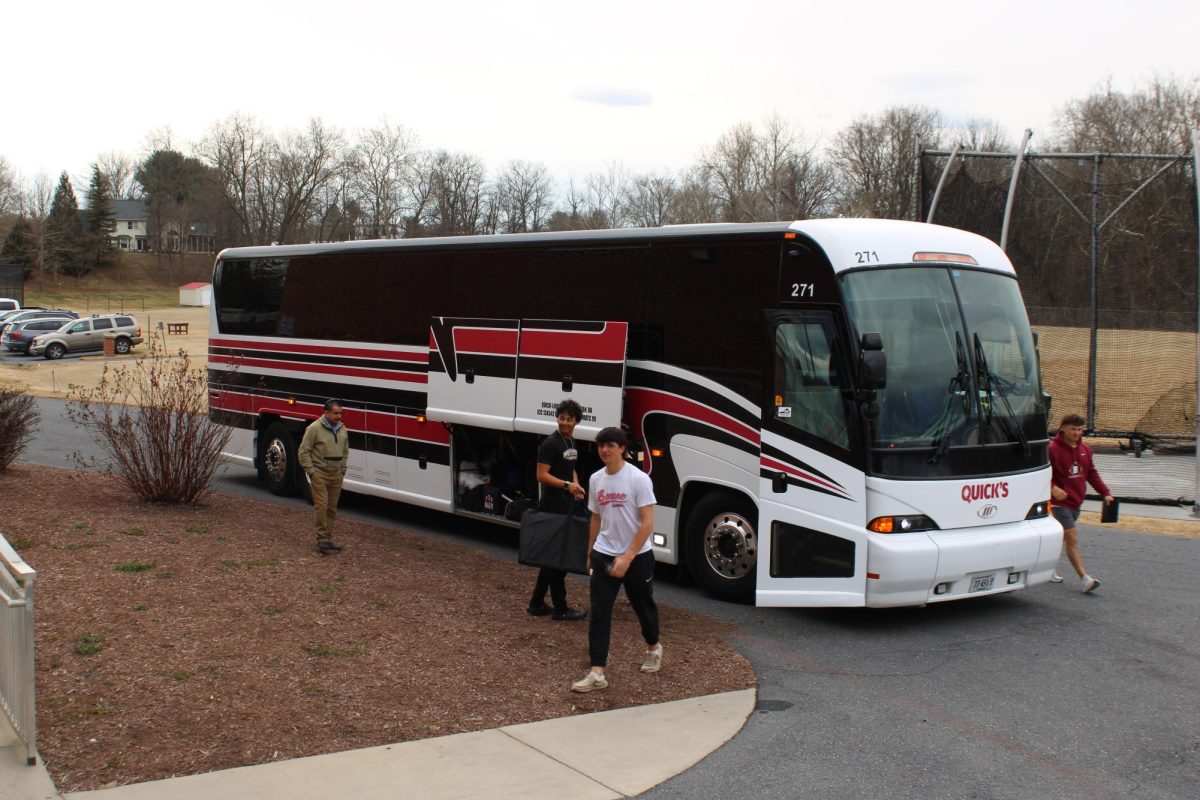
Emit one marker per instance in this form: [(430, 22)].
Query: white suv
[(89, 334)]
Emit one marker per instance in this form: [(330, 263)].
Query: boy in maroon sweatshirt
[(1072, 469)]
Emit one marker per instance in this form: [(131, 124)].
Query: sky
[(646, 85)]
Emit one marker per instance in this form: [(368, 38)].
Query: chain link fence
[(1105, 245)]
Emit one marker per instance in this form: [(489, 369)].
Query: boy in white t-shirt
[(621, 499)]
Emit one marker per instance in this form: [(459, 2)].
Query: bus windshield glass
[(961, 365)]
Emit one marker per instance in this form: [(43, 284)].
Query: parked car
[(12, 312), (26, 314), (19, 336), (88, 334), (8, 304)]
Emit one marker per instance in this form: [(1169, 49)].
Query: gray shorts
[(1065, 516)]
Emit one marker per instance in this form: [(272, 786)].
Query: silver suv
[(88, 334)]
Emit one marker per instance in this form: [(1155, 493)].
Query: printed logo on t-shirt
[(570, 454), (612, 499)]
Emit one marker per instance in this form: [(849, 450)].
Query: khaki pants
[(326, 489)]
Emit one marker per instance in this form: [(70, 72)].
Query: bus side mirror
[(872, 363)]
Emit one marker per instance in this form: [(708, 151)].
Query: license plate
[(981, 583)]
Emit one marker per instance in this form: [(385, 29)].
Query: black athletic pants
[(556, 581), (639, 588)]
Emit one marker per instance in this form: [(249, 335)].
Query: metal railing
[(16, 646), (109, 301)]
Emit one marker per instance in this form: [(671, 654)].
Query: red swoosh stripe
[(641, 402), (779, 466), (377, 422), (605, 345)]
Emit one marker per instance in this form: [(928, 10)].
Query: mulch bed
[(175, 640)]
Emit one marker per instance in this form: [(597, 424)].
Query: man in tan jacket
[(323, 455)]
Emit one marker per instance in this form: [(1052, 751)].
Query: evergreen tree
[(18, 246), (99, 221), (64, 231), (170, 183)]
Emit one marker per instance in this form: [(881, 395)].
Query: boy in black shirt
[(557, 457)]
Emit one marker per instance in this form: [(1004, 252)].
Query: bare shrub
[(18, 420), (151, 419)]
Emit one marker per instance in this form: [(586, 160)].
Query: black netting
[(1106, 250)]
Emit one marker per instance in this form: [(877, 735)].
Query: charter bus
[(832, 412)]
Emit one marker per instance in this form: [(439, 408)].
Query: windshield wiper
[(958, 385), (1008, 419)]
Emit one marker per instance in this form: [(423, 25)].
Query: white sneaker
[(589, 682), (653, 661), (1090, 585), (1055, 577)]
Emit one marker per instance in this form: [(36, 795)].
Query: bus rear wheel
[(278, 460), (722, 546)]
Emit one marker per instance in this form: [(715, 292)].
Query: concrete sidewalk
[(609, 754)]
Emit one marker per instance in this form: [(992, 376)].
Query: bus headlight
[(906, 524), (1038, 510)]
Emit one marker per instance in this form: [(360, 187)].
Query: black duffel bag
[(557, 541)]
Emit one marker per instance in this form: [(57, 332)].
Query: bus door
[(473, 371), (584, 361), (812, 548)]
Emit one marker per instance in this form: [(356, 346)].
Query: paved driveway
[(1047, 693)]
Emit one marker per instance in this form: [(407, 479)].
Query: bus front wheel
[(278, 459), (722, 545)]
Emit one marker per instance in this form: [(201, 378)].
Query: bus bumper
[(936, 566)]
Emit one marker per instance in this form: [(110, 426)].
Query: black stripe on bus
[(591, 373), (769, 451), (793, 480), (309, 358), (484, 366)]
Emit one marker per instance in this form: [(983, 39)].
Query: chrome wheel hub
[(730, 546)]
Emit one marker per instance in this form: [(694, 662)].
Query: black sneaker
[(327, 546), (569, 614), (539, 611)]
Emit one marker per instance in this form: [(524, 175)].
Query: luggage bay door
[(560, 359), (473, 371)]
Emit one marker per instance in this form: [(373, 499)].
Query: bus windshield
[(961, 366)]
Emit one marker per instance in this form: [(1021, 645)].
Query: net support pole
[(1095, 298), (1012, 188), (937, 193), (1196, 186)]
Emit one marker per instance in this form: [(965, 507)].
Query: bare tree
[(380, 169), (523, 197), (36, 207), (694, 201), (604, 198), (732, 173), (10, 189), (1156, 118), (119, 169), (305, 163), (875, 158), (982, 135), (240, 151), (650, 199), (449, 194), (790, 177)]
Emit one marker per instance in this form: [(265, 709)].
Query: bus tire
[(278, 459), (722, 545)]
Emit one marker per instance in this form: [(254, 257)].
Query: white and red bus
[(833, 412)]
